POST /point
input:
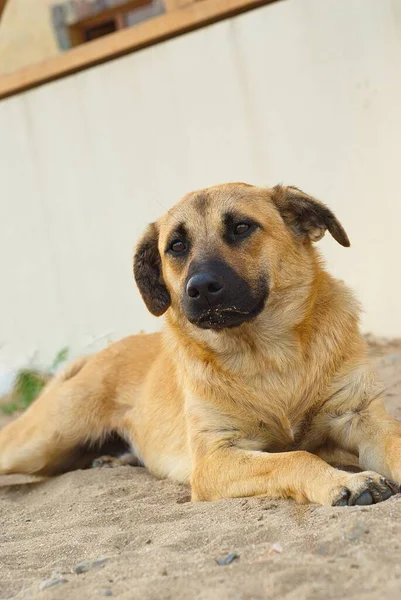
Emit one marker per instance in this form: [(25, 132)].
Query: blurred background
[(112, 110)]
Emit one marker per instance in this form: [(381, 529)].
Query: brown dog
[(260, 379)]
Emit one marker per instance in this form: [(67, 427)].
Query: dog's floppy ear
[(306, 216), (148, 272)]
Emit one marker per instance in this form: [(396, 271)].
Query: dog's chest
[(280, 412), (267, 409)]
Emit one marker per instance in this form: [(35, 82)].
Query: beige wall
[(26, 34), (306, 92)]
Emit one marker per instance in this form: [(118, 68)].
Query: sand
[(141, 538)]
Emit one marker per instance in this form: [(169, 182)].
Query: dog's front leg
[(222, 470)]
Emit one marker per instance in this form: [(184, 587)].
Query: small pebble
[(83, 567), (107, 593), (48, 583), (357, 531), (226, 560)]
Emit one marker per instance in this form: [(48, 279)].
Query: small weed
[(61, 357), (29, 383)]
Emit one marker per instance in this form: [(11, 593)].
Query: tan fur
[(260, 409)]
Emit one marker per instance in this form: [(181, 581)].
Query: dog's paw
[(110, 462), (362, 489)]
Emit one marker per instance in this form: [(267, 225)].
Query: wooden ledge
[(171, 24)]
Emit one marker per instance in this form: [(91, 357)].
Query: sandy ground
[(157, 545)]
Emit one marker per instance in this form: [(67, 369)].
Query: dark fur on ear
[(306, 216), (148, 272)]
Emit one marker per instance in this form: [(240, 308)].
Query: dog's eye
[(241, 228), (177, 246)]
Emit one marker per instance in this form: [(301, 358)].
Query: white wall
[(306, 92)]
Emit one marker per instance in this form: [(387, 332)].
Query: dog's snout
[(215, 296), (206, 287)]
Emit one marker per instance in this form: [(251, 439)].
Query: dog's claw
[(343, 499), (366, 492), (394, 487)]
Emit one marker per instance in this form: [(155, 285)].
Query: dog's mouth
[(220, 317)]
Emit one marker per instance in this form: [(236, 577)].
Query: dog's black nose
[(206, 288)]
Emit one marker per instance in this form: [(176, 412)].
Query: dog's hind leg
[(338, 458), (77, 407), (374, 435)]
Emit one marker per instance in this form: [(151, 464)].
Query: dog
[(259, 384)]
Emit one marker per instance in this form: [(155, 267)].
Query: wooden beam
[(188, 18), (175, 4)]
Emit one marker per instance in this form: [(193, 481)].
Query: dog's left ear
[(307, 217), (148, 272)]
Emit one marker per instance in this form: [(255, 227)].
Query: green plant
[(29, 383), (61, 357)]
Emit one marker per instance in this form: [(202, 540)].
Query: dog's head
[(219, 253)]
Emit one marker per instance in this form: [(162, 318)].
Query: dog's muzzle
[(216, 297)]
